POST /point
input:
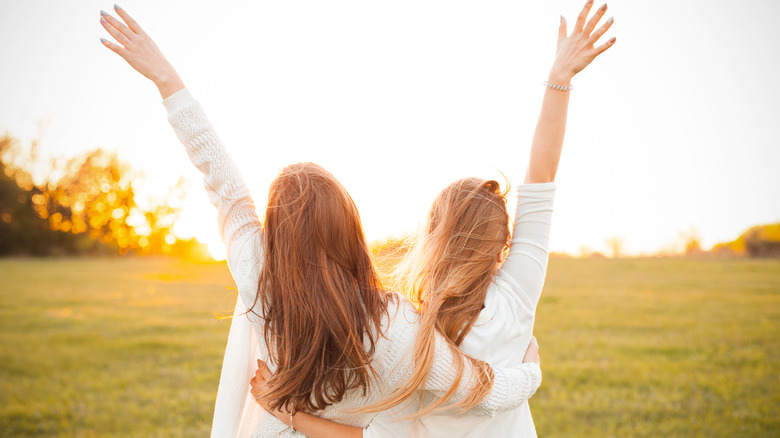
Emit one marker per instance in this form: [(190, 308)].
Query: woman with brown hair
[(335, 340), (456, 274)]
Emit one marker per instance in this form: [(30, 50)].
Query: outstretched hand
[(140, 51), (577, 50)]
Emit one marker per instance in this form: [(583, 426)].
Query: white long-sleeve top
[(502, 331), (236, 413)]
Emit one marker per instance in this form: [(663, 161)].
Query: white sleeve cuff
[(179, 100), (537, 191)]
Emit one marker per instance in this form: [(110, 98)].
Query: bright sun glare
[(217, 250)]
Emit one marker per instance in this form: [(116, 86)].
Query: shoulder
[(400, 311), (399, 326)]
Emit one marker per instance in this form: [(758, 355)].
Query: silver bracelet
[(558, 87)]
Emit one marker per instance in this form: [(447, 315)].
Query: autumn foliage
[(84, 205), (758, 241)]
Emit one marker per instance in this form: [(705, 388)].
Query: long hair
[(446, 274), (321, 299)]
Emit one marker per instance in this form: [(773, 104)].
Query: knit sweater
[(505, 323), (242, 234)]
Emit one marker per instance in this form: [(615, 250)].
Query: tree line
[(758, 241), (85, 205)]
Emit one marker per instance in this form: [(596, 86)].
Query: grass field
[(631, 347)]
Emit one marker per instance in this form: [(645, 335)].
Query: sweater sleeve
[(236, 216), (526, 265), (511, 387)]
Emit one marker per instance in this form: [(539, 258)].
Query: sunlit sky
[(674, 128)]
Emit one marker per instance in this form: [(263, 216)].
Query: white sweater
[(502, 332), (242, 233)]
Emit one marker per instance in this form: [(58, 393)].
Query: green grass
[(659, 347), (126, 347), (634, 347)]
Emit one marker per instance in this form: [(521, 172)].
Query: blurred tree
[(691, 241), (93, 198), (23, 232), (758, 241), (763, 241), (90, 209), (615, 246)]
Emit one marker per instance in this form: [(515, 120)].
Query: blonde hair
[(446, 274)]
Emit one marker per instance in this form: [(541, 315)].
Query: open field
[(633, 347)]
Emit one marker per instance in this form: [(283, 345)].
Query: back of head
[(447, 274), (320, 295), (457, 255)]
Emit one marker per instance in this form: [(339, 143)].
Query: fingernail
[(603, 7), (612, 40), (103, 13), (561, 19), (103, 40), (611, 19), (116, 6)]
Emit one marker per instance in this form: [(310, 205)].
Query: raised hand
[(577, 50), (138, 49)]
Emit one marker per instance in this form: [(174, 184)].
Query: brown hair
[(321, 299), (446, 275)]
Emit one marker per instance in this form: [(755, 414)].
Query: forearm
[(222, 179), (316, 427), (511, 388), (550, 129), (573, 53)]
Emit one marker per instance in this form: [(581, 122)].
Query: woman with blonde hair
[(310, 302), (458, 278)]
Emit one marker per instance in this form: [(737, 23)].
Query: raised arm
[(236, 216), (573, 54), (526, 263), (237, 219)]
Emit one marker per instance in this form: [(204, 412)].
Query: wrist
[(281, 415), (559, 77), (168, 83), (285, 416)]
